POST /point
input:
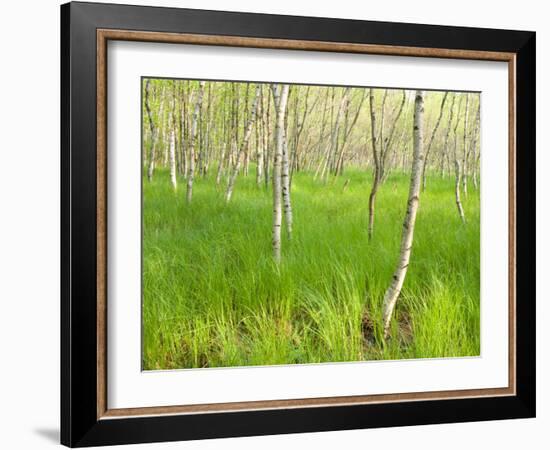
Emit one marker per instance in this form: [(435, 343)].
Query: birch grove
[(231, 141)]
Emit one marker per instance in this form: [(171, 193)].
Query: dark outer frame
[(81, 424)]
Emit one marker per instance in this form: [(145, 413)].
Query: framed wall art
[(276, 224)]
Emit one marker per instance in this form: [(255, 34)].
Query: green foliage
[(213, 297)]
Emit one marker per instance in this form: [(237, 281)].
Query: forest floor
[(213, 297)]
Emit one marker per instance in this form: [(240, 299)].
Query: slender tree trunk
[(392, 294), (335, 132), (154, 132), (259, 142), (285, 180), (173, 178), (244, 146), (465, 149), (376, 160), (220, 165), (193, 138), (445, 149), (348, 130), (172, 124), (267, 140), (386, 144), (458, 172), (473, 148), (280, 95), (434, 131)]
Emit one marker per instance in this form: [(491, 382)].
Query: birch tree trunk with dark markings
[(392, 294), (473, 148), (172, 125), (465, 149), (376, 161), (193, 138), (152, 148), (285, 181), (458, 170), (280, 96)]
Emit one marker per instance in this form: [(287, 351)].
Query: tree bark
[(392, 294), (193, 138), (280, 96), (244, 145)]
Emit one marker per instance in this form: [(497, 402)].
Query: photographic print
[(297, 224)]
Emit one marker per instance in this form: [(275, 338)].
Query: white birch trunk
[(458, 171), (193, 138), (465, 149), (152, 149), (392, 294), (173, 179), (243, 150), (376, 160), (285, 180), (280, 95)]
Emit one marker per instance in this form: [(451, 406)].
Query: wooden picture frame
[(86, 418)]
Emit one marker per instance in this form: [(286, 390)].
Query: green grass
[(213, 297)]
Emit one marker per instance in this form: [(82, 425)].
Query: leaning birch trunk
[(280, 95), (392, 294), (244, 145), (285, 180), (434, 131), (193, 138)]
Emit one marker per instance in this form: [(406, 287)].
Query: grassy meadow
[(213, 297)]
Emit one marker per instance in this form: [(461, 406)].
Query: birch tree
[(458, 170), (473, 148), (244, 145), (280, 97), (464, 148), (153, 144), (193, 139), (285, 181), (172, 124), (398, 278)]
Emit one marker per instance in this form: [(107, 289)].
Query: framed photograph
[(277, 224)]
